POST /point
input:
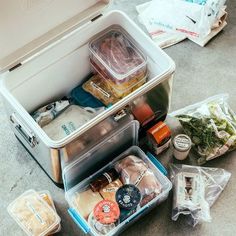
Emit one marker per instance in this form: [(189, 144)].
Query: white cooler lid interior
[(27, 26), (101, 154)]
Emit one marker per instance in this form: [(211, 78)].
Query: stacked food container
[(119, 62)]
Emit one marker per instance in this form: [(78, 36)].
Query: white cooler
[(44, 54)]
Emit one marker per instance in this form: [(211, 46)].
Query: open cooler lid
[(123, 137), (28, 26)]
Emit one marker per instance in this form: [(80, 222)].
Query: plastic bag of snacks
[(195, 191), (211, 125)]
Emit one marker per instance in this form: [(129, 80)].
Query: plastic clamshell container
[(33, 204), (114, 54), (110, 160)]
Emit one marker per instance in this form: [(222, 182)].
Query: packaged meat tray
[(114, 55)]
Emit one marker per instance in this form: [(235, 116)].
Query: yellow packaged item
[(99, 88)]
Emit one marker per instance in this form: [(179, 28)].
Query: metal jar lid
[(182, 142)]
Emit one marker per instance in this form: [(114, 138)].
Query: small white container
[(182, 145)]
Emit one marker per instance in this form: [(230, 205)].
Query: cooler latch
[(157, 163), (79, 220), (14, 67), (23, 131), (96, 17)]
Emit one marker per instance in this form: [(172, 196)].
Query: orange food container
[(159, 133)]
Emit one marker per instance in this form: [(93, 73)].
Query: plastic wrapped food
[(46, 114), (211, 125), (195, 190), (99, 88), (69, 120), (33, 214), (86, 201), (115, 56), (135, 171)]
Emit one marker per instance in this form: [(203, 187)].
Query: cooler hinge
[(96, 17), (14, 67)]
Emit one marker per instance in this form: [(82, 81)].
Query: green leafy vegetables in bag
[(211, 126)]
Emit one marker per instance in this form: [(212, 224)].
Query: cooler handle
[(79, 220), (157, 163), (25, 132)]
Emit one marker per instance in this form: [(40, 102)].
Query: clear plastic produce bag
[(195, 191), (211, 125)]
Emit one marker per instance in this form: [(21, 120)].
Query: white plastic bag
[(195, 191), (211, 125), (162, 38), (217, 27), (182, 16)]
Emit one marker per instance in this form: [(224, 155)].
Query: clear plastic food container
[(119, 90), (75, 194), (33, 214), (115, 56)]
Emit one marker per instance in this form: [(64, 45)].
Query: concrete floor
[(200, 73)]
